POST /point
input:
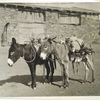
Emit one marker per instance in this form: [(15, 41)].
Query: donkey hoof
[(65, 86), (93, 80), (46, 81), (60, 86), (34, 88), (82, 81), (43, 83)]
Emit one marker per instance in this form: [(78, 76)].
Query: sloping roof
[(60, 8), (83, 10), (51, 8)]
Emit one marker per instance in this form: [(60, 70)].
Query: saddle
[(80, 53)]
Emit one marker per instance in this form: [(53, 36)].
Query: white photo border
[(55, 97)]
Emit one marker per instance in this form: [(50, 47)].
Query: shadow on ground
[(25, 79)]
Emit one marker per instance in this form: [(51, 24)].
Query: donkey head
[(13, 53)]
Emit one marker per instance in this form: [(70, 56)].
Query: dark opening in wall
[(70, 19)]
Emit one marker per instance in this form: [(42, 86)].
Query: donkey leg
[(62, 68), (44, 73), (67, 73), (64, 74), (86, 71), (91, 67), (52, 71), (73, 67), (34, 74), (63, 71), (77, 65), (47, 70), (65, 77), (32, 70)]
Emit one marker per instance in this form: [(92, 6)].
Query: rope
[(33, 58)]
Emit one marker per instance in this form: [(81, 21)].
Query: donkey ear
[(13, 41)]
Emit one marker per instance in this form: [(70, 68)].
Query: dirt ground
[(14, 81)]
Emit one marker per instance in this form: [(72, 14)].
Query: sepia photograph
[(49, 49)]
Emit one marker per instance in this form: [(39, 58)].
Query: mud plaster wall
[(23, 25), (87, 30)]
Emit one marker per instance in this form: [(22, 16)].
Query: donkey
[(81, 56), (30, 55), (46, 50)]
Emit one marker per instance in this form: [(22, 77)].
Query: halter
[(33, 57)]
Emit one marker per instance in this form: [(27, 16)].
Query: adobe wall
[(87, 30)]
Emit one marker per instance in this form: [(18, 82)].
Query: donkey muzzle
[(10, 62), (43, 55)]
